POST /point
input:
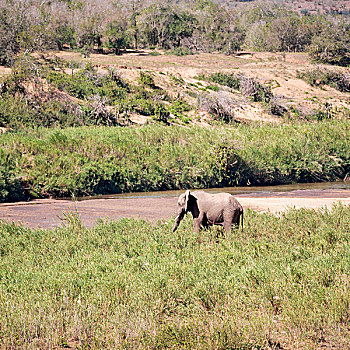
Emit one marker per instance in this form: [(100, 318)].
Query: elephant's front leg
[(228, 227), (197, 223), (228, 224)]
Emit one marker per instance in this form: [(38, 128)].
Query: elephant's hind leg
[(231, 221)]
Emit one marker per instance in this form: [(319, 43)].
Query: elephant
[(209, 209)]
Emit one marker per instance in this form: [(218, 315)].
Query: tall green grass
[(283, 282), (96, 160)]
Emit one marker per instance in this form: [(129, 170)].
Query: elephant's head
[(186, 203)]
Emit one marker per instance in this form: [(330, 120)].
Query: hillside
[(179, 76), (270, 87)]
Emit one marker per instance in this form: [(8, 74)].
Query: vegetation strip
[(101, 160)]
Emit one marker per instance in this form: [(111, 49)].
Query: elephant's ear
[(187, 198)]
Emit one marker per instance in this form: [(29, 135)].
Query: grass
[(281, 283), (99, 160)]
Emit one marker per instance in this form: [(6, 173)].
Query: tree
[(13, 22), (217, 28), (288, 32), (116, 37), (332, 45), (165, 26)]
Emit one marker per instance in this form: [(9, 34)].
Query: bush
[(97, 113), (146, 79), (323, 76), (180, 51), (219, 105), (11, 186), (26, 111), (102, 97), (161, 114), (179, 107), (230, 80), (87, 82), (249, 87), (274, 107), (154, 53), (254, 90), (143, 106)]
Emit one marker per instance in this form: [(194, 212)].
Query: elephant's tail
[(242, 219)]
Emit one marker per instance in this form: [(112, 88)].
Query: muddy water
[(309, 189)]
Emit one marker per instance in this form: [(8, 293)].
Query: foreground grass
[(100, 160), (283, 282)]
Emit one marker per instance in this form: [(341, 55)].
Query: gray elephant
[(209, 209)]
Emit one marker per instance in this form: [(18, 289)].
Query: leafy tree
[(332, 45), (13, 22), (116, 37), (64, 34), (217, 29), (134, 8), (164, 26), (287, 32)]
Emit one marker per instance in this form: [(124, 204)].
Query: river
[(315, 188), (153, 206)]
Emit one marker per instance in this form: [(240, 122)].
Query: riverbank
[(50, 213)]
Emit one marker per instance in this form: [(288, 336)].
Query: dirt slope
[(179, 76)]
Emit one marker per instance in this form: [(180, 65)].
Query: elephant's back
[(234, 203)]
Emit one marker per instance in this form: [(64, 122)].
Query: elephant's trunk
[(178, 219)]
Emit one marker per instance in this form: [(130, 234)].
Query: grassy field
[(282, 283), (99, 160)]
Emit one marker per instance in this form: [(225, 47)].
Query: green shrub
[(87, 82), (177, 80), (144, 106), (323, 76), (22, 111), (146, 79), (247, 86), (161, 114), (180, 51), (179, 107), (21, 108), (230, 80), (11, 185), (154, 53)]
